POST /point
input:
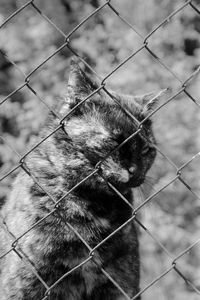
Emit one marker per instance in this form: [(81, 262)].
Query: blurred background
[(104, 41)]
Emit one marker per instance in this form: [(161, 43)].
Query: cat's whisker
[(150, 179), (141, 193)]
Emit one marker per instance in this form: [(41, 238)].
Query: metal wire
[(183, 84)]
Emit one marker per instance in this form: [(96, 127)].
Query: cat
[(93, 209)]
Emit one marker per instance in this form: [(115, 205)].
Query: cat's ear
[(149, 102), (79, 82)]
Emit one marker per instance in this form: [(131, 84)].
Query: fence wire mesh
[(183, 84)]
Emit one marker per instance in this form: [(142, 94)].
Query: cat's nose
[(132, 169)]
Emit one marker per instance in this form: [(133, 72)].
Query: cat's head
[(99, 125)]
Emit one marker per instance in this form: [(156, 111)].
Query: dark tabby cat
[(93, 209)]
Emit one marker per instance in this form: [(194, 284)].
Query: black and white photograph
[(99, 150)]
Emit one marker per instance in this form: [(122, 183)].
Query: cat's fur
[(93, 209)]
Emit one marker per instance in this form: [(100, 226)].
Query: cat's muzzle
[(136, 181)]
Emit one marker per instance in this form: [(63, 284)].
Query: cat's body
[(93, 209)]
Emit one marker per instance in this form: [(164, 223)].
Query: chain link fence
[(174, 265)]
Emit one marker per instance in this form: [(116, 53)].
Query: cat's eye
[(145, 149)]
